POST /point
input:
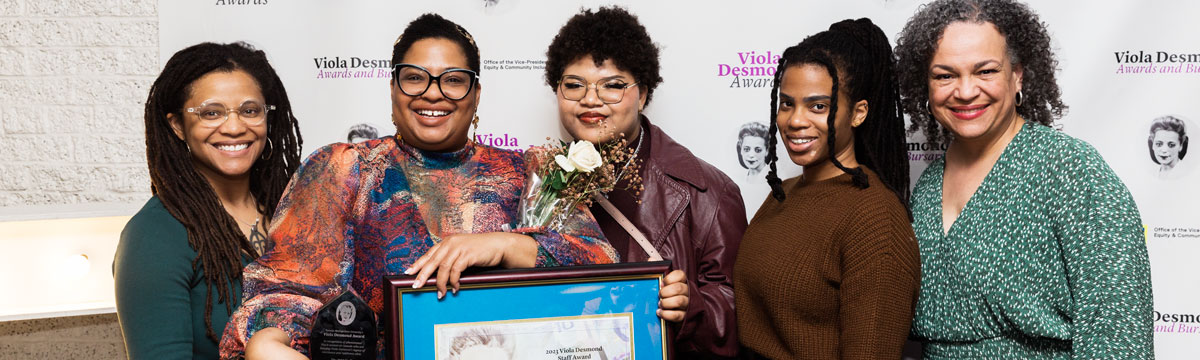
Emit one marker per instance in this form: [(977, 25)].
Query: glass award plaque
[(344, 329)]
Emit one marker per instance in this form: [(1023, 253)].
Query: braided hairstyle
[(185, 193), (858, 57)]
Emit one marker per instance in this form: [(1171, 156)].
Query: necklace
[(635, 153), (257, 240), (252, 226)]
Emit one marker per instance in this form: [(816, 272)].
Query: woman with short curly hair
[(603, 69), (1031, 247)]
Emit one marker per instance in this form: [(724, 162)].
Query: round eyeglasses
[(213, 115), (610, 91), (414, 80)]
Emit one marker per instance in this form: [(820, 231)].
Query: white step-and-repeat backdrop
[(1123, 64)]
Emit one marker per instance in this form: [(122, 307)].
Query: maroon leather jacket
[(694, 216)]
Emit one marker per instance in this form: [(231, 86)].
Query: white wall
[(74, 75)]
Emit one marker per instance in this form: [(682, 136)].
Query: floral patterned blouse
[(356, 212)]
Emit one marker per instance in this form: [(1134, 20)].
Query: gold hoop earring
[(267, 153)]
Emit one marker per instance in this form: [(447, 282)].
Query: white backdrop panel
[(702, 104)]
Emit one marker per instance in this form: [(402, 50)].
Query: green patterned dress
[(1046, 261)]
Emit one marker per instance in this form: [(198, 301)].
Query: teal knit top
[(1046, 261), (160, 296)]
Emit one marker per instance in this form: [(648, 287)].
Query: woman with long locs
[(221, 144), (828, 267), (1031, 247)]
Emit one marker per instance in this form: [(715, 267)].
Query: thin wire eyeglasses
[(612, 91), (213, 115)]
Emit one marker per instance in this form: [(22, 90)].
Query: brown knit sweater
[(832, 272)]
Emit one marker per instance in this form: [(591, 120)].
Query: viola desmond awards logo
[(1176, 323), (353, 67), (751, 69), (926, 151), (1156, 62)]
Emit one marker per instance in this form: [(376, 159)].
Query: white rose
[(564, 163), (583, 156)]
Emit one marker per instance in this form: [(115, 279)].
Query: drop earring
[(474, 128)]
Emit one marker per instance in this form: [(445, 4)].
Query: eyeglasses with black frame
[(251, 113), (415, 80), (609, 91)]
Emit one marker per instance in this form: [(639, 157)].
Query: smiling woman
[(846, 286), (221, 144), (426, 202), (1031, 247)]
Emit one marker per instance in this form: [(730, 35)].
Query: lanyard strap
[(625, 223)]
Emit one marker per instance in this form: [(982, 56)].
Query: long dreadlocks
[(186, 195), (859, 52)]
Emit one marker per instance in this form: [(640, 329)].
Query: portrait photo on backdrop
[(752, 149), (361, 132), (1168, 143)]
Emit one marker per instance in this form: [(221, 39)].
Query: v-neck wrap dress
[(1046, 261), (356, 212)]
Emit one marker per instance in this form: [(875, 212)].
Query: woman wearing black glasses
[(427, 202)]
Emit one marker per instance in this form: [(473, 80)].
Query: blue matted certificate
[(598, 312)]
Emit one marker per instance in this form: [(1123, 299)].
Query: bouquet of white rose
[(566, 175)]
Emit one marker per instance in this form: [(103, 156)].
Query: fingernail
[(455, 290), (416, 285), (441, 294), (408, 271)]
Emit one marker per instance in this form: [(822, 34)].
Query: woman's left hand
[(673, 296), (458, 252)]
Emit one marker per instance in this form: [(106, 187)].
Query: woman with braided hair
[(1031, 246), (221, 144), (828, 267)]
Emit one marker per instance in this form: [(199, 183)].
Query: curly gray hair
[(1027, 42)]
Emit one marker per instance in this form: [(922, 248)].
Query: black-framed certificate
[(594, 312)]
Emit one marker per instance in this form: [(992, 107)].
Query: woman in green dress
[(1031, 247)]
